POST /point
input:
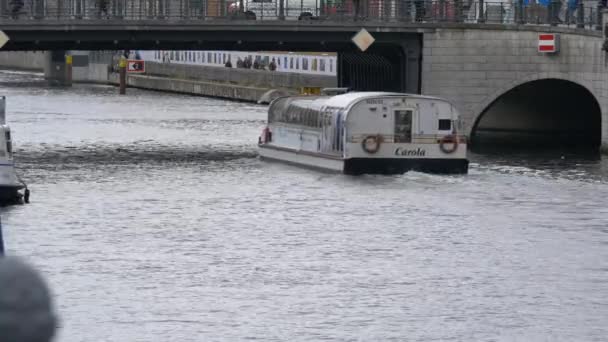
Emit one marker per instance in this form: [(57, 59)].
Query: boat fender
[(446, 141), (26, 196), (371, 144)]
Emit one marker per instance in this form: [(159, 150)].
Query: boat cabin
[(366, 125)]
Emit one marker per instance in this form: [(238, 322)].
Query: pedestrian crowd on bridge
[(257, 64), (503, 11)]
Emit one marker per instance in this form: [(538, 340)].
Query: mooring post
[(2, 110), (1, 240), (68, 70), (122, 73)]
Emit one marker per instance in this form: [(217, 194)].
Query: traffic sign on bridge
[(136, 66), (548, 42)]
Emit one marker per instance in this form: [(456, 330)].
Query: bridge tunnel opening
[(378, 69), (542, 114)]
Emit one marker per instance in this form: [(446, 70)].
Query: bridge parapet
[(311, 11)]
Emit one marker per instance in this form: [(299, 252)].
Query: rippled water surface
[(153, 220)]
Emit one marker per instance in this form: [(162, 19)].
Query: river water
[(153, 220)]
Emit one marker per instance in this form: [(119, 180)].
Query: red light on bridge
[(548, 42)]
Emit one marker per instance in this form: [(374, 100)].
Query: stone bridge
[(508, 91), (483, 56)]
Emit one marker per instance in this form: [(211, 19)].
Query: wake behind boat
[(11, 187), (366, 132)]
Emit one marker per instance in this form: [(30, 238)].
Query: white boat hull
[(355, 166), (302, 158)]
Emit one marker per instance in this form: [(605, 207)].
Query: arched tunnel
[(547, 113)]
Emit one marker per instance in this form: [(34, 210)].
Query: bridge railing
[(550, 12)]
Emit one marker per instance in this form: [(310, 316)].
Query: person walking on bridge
[(16, 6), (102, 8)]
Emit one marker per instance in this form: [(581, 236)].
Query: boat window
[(322, 65), (304, 63), (403, 126), (314, 64), (445, 124)]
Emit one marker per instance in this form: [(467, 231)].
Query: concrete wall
[(248, 77), (473, 67), (34, 61), (223, 90), (93, 73), (231, 83)]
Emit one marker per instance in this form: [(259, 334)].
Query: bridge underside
[(392, 63), (381, 68), (545, 114), (91, 36)]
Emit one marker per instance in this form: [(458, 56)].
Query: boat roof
[(312, 102), (347, 99), (317, 102)]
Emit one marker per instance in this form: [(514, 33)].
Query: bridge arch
[(540, 110)]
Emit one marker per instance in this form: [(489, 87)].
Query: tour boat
[(366, 132), (11, 186)]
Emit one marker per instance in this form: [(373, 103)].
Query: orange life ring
[(371, 144), (448, 139)]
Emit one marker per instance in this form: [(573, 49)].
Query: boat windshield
[(281, 108)]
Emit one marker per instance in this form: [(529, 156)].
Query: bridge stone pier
[(509, 92)]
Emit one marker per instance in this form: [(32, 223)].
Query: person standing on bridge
[(102, 8), (16, 6), (420, 10)]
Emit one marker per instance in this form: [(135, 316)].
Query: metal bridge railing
[(550, 12)]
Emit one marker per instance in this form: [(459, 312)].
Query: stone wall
[(231, 83), (194, 87), (93, 73), (34, 61), (473, 67), (245, 77)]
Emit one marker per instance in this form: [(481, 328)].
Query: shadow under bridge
[(383, 67), (545, 113)]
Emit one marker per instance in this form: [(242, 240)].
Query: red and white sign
[(136, 66), (548, 42)]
